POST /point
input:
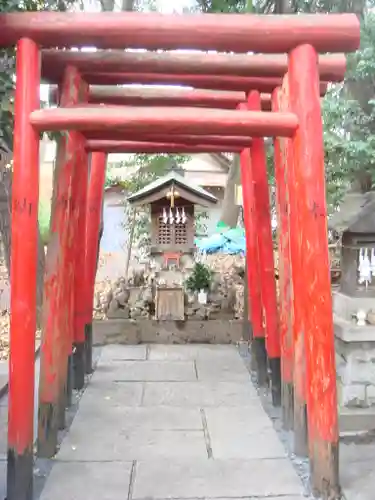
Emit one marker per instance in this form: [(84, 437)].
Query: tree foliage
[(8, 62), (348, 108), (349, 120)]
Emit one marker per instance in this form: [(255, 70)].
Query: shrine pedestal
[(355, 363)]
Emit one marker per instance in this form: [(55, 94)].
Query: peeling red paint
[(283, 212), (315, 288), (94, 206), (255, 301), (24, 252), (264, 231), (57, 328)]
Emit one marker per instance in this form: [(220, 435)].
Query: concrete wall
[(115, 236), (113, 245), (203, 170)]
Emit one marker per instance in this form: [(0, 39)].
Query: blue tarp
[(230, 241)]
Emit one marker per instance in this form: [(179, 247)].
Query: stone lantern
[(354, 304)]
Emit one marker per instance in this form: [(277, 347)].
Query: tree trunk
[(5, 224), (230, 210), (130, 245)]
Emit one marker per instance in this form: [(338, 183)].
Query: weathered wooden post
[(297, 299), (93, 218), (56, 350), (252, 266), (79, 195), (247, 331), (266, 257), (317, 305), (23, 275), (281, 147)]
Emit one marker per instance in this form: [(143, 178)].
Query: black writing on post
[(23, 206)]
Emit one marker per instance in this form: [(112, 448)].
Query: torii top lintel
[(220, 32)]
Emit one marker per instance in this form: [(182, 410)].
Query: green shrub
[(200, 278)]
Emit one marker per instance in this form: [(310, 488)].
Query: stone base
[(119, 331), (355, 366), (356, 421), (345, 306)]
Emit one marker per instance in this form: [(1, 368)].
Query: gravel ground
[(301, 465)]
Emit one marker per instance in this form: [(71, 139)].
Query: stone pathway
[(357, 470), (176, 422)]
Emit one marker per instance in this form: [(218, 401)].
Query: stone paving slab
[(123, 352), (358, 482), (100, 394), (232, 444), (111, 443), (357, 471), (156, 371), (215, 478), (240, 433), (150, 418), (193, 352), (88, 481), (200, 394), (248, 421), (226, 370)]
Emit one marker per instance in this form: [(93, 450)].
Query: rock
[(147, 295), (215, 298), (215, 285), (139, 304), (201, 313), (122, 297), (113, 306), (107, 296), (123, 313), (136, 312), (138, 278)]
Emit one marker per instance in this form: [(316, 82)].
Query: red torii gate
[(299, 163)]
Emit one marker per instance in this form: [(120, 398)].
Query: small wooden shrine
[(172, 201)]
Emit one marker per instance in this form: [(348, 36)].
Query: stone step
[(122, 331), (356, 421)]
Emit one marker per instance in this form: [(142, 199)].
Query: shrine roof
[(199, 196), (355, 207)]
